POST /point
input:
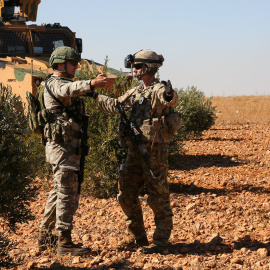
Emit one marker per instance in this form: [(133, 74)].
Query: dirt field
[(220, 198), (242, 109)]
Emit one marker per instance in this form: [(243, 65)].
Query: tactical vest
[(57, 125), (161, 130), (157, 130), (141, 107), (67, 122)]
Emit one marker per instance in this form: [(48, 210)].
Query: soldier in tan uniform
[(62, 100), (149, 105)]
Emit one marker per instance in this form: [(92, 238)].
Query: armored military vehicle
[(25, 49)]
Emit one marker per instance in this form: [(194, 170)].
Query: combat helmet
[(62, 54), (150, 58)]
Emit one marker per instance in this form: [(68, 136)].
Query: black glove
[(168, 90), (92, 94)]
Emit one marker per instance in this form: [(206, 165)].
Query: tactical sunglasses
[(138, 66)]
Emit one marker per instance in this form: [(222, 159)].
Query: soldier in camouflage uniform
[(63, 146), (149, 104)]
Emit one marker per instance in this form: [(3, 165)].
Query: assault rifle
[(133, 135), (84, 149)]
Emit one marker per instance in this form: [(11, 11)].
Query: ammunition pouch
[(161, 130), (62, 131), (45, 116)]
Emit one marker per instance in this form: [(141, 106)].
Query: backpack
[(37, 114), (35, 106)]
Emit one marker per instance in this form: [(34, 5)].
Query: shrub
[(105, 154), (17, 167), (197, 112), (198, 115)]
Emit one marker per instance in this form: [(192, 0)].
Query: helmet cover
[(150, 58), (63, 54)]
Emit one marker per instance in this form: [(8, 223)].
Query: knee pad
[(125, 207)]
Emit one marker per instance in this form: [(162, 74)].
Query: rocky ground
[(220, 200)]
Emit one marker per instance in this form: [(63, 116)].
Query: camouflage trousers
[(133, 175), (63, 198)]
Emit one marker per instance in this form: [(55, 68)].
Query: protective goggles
[(138, 66)]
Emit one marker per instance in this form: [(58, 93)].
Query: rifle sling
[(54, 97)]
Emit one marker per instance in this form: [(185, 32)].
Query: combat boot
[(141, 242), (66, 246), (131, 241), (46, 240), (153, 248)]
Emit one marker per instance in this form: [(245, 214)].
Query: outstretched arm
[(101, 81)]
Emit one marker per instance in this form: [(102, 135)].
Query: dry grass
[(242, 109)]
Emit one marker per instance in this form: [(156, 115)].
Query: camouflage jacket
[(66, 125), (145, 104), (64, 89)]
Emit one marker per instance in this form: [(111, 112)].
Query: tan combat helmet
[(150, 58)]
